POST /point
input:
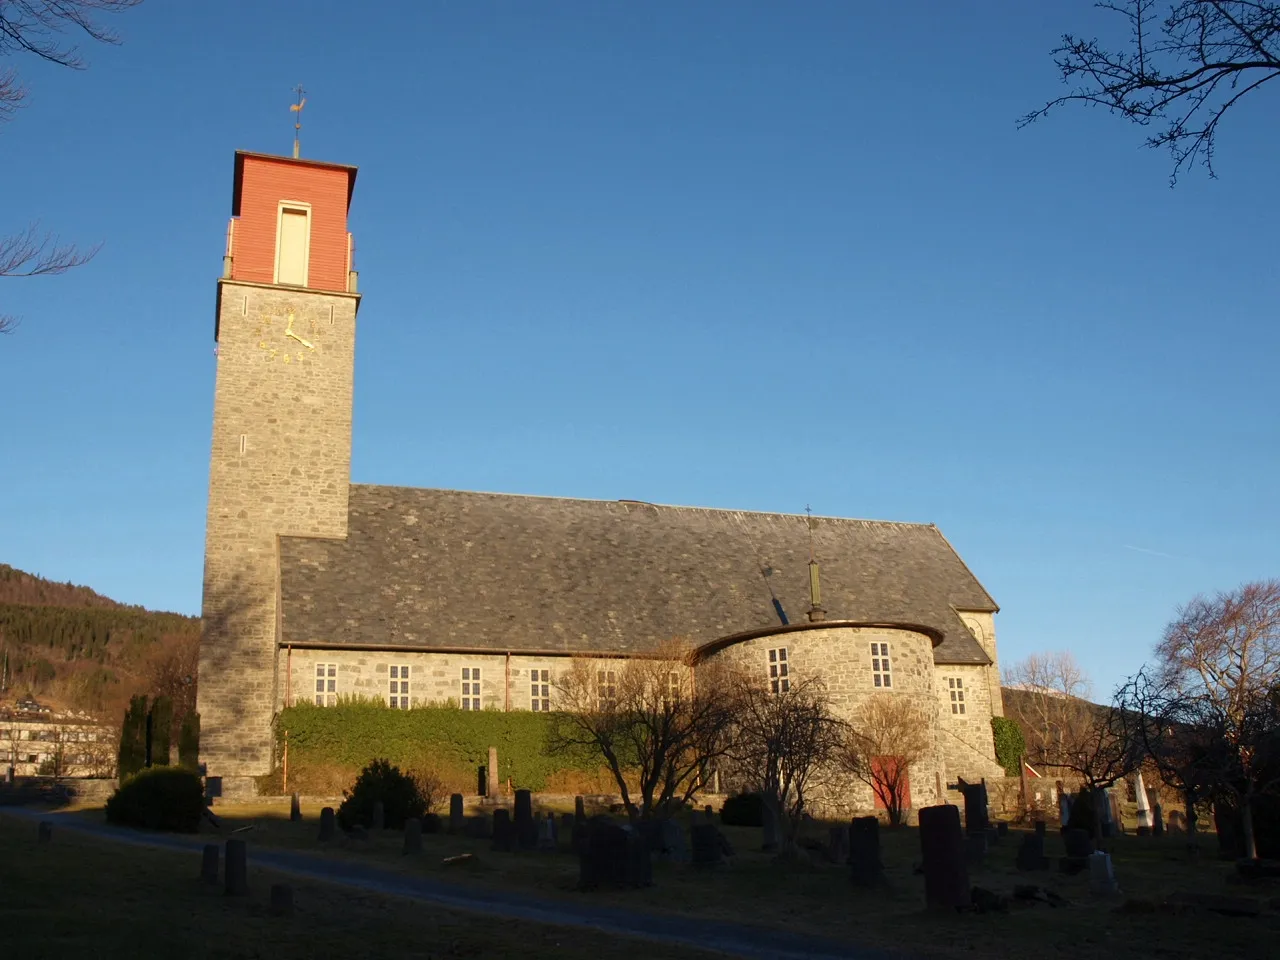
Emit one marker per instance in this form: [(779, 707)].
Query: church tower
[(281, 459)]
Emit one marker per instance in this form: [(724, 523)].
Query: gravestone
[(328, 824), (281, 900), (975, 809), (1031, 852), (379, 816), (769, 825), (8, 774), (1144, 808), (431, 823), (566, 826), (709, 813), (1002, 829), (477, 828), (503, 832), (1102, 807), (455, 813), (482, 780), (412, 836), (1102, 881), (547, 833), (1177, 821), (671, 841), (614, 858), (1064, 805), (946, 877), (44, 832), (579, 809), (1157, 820), (1079, 846), (704, 841), (295, 808), (236, 859), (491, 786), (838, 844), (1144, 831), (975, 848), (209, 863), (526, 829), (865, 867)]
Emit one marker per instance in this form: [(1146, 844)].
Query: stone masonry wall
[(280, 465)]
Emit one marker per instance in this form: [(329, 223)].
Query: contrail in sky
[(1154, 553)]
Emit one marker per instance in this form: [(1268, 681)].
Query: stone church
[(316, 588)]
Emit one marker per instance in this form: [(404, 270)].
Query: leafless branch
[(37, 26), (1184, 70), (889, 735)]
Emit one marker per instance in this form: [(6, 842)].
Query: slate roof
[(450, 569)]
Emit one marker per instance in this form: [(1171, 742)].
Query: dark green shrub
[(743, 810), (160, 725), (1010, 745), (380, 780), (158, 798), (133, 738), (189, 742), (1083, 815)]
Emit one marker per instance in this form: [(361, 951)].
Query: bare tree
[(1050, 694), (653, 726), (781, 743), (1187, 62), (887, 737), (38, 27), (1219, 665)]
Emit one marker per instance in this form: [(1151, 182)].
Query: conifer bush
[(158, 798), (380, 780), (743, 810)]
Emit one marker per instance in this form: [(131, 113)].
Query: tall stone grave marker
[(526, 829), (328, 824), (946, 877), (865, 867), (295, 808), (503, 832), (412, 836), (491, 785), (456, 813), (237, 868)]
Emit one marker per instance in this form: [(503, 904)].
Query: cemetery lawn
[(815, 897), (83, 897)]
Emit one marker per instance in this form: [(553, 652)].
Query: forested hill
[(17, 586), (73, 648)]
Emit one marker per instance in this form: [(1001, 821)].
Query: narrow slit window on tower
[(880, 674), (955, 687), (398, 695), (244, 440), (779, 671), (326, 684), (293, 244), (540, 690), (470, 688)]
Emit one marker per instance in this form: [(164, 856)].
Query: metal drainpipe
[(507, 685), (288, 676)]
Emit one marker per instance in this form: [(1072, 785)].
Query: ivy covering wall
[(1010, 745)]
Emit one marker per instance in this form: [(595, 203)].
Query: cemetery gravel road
[(734, 939)]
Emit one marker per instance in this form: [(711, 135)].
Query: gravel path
[(731, 938)]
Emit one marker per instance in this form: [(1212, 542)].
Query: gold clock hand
[(306, 343)]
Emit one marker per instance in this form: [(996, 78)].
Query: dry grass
[(81, 897), (815, 897)]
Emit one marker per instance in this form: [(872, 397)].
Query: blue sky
[(747, 255)]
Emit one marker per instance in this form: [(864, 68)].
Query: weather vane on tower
[(296, 109)]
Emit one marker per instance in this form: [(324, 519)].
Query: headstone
[(1157, 820), (295, 808), (1102, 807), (671, 840), (1177, 821), (328, 824), (412, 836), (946, 877), (579, 809), (431, 823), (547, 833), (491, 786), (1064, 805), (236, 872), (615, 857), (379, 816), (455, 813), (8, 774), (1144, 831), (526, 829), (975, 808), (838, 844), (1002, 829), (1102, 881), (865, 868), (704, 842), (975, 848), (1144, 808), (709, 813), (1031, 852), (209, 863), (44, 833), (1079, 846), (1117, 820), (769, 823), (503, 832), (281, 900), (566, 826), (478, 827)]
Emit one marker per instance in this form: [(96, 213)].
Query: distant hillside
[(18, 586), (72, 648)]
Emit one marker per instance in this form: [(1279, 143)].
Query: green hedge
[(1010, 745), (158, 798), (355, 733)]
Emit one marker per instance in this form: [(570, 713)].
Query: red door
[(888, 775)]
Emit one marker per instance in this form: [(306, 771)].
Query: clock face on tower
[(286, 339)]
